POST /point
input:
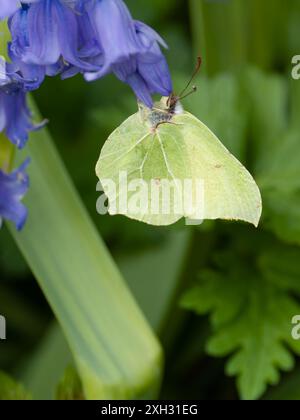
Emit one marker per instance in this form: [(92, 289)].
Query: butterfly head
[(163, 111), (173, 104)]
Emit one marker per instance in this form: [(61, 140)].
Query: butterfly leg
[(166, 122)]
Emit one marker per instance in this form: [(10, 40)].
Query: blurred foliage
[(243, 284), (250, 315), (70, 387), (11, 390)]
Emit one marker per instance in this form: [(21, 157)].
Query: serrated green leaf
[(280, 264), (184, 149), (288, 390), (224, 306), (258, 336), (251, 321)]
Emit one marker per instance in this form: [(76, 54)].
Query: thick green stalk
[(153, 275), (116, 353)]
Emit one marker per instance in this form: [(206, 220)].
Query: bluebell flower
[(93, 37), (34, 73), (45, 32), (13, 187), (152, 66), (128, 48), (8, 7), (89, 49), (15, 116)]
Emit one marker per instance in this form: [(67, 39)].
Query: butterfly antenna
[(189, 93), (197, 69)]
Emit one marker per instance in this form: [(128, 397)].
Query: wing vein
[(128, 151)]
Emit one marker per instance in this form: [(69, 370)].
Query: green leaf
[(267, 98), (70, 386), (43, 368), (277, 173), (83, 285), (282, 214), (288, 390), (280, 264), (139, 159), (154, 276), (11, 390), (282, 172), (224, 305), (279, 181), (251, 323)]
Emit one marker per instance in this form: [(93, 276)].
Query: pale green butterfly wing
[(132, 149), (230, 192), (183, 154)]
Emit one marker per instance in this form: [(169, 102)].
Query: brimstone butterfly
[(167, 144)]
